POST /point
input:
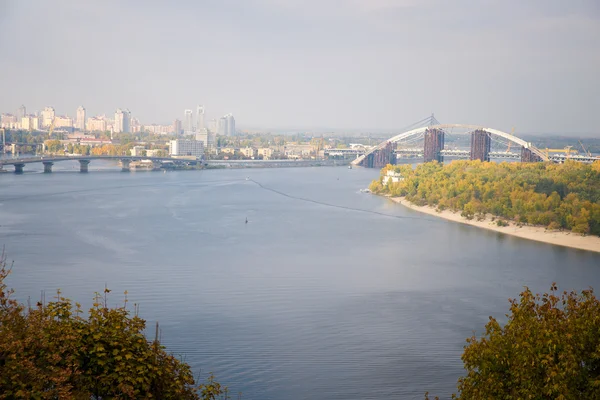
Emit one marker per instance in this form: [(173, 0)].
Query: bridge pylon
[(433, 145), (481, 144)]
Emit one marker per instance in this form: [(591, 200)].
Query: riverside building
[(186, 147)]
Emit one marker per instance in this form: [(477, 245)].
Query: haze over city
[(373, 64)]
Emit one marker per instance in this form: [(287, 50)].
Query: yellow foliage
[(566, 195)]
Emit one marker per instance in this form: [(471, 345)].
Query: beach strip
[(537, 233)]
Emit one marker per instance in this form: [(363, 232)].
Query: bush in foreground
[(548, 349), (54, 351)]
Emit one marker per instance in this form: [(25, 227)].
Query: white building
[(227, 125), (6, 120), (158, 129), (200, 118), (80, 121), (222, 128), (186, 147), (188, 122), (96, 124), (249, 152), (266, 153), (392, 176), (208, 139), (63, 122), (213, 126), (202, 136), (47, 116), (154, 153), (30, 122), (231, 125), (122, 121), (138, 151)]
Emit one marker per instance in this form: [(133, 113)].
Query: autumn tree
[(55, 351), (557, 196), (54, 146), (548, 349)]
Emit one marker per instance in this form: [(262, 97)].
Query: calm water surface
[(306, 301)]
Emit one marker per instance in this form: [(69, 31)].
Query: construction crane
[(512, 132), (587, 152), (567, 150), (51, 129)]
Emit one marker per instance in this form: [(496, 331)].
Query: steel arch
[(491, 131)]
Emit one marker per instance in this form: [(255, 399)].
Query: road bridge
[(429, 142), (84, 161), (433, 147), (344, 152)]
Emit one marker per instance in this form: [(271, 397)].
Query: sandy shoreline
[(540, 234)]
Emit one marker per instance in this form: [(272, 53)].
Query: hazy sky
[(346, 64)]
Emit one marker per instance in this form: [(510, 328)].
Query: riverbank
[(539, 234)]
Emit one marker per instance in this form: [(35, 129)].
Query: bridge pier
[(481, 144), (433, 146), (83, 165), (47, 166), (125, 165), (19, 168), (528, 156)]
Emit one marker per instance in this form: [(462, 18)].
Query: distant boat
[(246, 219), (349, 166), (365, 191), (247, 178)]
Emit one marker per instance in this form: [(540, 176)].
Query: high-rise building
[(96, 124), (47, 116), (30, 123), (208, 139), (122, 121), (188, 121), (80, 121), (200, 118), (177, 127), (226, 125), (230, 125), (21, 112), (9, 121), (63, 121), (134, 125), (202, 136), (222, 126), (213, 126)]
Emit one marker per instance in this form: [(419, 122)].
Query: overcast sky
[(345, 64)]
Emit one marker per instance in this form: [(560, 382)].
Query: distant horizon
[(264, 128), (310, 64)]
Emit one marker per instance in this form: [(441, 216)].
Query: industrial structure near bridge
[(430, 143)]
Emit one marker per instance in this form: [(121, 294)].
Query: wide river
[(326, 292)]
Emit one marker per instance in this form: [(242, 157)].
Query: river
[(326, 292)]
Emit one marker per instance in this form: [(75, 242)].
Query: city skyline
[(357, 64), (122, 121)]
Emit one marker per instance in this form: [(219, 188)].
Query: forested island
[(556, 196)]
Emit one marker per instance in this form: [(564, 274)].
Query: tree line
[(557, 196), (56, 351)]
